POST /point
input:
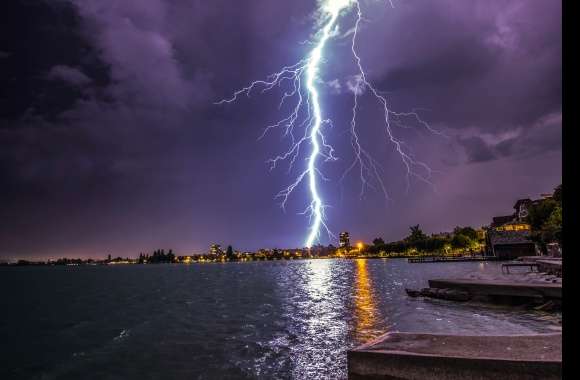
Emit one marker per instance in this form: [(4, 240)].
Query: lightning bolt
[(363, 159), (301, 81)]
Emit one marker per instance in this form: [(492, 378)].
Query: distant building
[(344, 240), (443, 235), (215, 249)]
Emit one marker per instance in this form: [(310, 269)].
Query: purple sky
[(111, 142)]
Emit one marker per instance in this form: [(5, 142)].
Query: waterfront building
[(215, 249), (511, 241), (344, 240), (520, 213), (501, 220), (508, 237), (514, 226)]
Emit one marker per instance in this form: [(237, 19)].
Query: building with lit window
[(509, 236), (510, 243), (215, 249), (344, 240)]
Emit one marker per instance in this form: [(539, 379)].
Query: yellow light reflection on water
[(319, 279), (365, 312)]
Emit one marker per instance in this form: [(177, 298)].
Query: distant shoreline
[(416, 259)]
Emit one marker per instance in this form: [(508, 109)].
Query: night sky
[(111, 141)]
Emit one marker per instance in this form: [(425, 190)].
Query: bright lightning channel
[(311, 74), (307, 114)]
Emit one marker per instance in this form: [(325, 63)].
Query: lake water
[(281, 319)]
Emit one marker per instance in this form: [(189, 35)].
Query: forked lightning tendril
[(307, 116)]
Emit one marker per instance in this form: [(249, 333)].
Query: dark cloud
[(70, 75), (477, 150), (540, 137), (111, 140), (45, 35), (494, 63)]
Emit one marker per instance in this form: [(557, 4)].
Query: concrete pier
[(437, 259), (499, 288), (550, 266), (453, 357), (547, 264)]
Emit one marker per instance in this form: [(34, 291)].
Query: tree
[(557, 196), (552, 228), (416, 234), (539, 213), (378, 242), (466, 231), (545, 217), (460, 241)]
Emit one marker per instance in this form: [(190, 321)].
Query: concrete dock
[(550, 266), (505, 268), (453, 357), (437, 259), (501, 288)]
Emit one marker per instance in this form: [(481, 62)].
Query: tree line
[(462, 238)]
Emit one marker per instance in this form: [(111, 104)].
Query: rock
[(445, 294), (412, 293), (457, 295)]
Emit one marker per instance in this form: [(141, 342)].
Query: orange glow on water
[(366, 313)]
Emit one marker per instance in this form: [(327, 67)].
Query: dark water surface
[(283, 319)]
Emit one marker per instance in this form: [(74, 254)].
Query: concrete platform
[(505, 268), (451, 259), (453, 357), (550, 266), (535, 258), (499, 288)]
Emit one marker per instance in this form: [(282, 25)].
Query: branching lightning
[(307, 116)]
